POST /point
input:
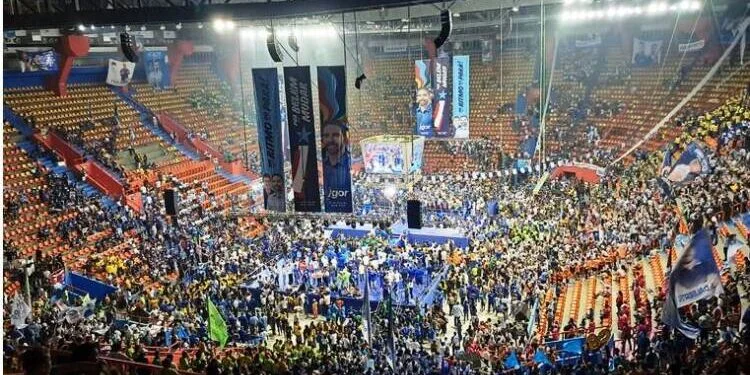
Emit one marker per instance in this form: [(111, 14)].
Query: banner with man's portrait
[(646, 52), (268, 115), (157, 69), (120, 73), (336, 154)]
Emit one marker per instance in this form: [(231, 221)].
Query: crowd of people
[(288, 296)]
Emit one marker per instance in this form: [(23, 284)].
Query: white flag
[(120, 72), (20, 310)]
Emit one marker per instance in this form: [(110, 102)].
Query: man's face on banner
[(267, 181), (423, 97), (333, 140), (277, 184)]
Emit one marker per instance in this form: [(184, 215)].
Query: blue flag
[(695, 277), (541, 359), (574, 346), (692, 163), (512, 361)]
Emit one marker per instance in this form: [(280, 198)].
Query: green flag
[(217, 328)]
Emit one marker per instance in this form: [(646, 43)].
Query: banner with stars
[(301, 125), (442, 103)]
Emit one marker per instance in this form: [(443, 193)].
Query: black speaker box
[(446, 25), (127, 43), (273, 49), (170, 201), (414, 214)]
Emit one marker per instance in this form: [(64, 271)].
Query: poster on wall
[(646, 52), (35, 61), (120, 73), (417, 145), (301, 125), (461, 99), (157, 69), (268, 117), (336, 153)]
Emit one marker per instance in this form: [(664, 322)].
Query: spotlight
[(112, 27), (229, 25), (404, 20), (93, 27), (81, 28), (127, 28), (162, 27), (456, 15), (515, 9), (200, 25), (143, 28), (178, 26)]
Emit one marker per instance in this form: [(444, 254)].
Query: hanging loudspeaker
[(273, 49), (446, 22), (293, 42), (127, 43)]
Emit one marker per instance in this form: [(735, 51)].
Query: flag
[(512, 361), (666, 164), (574, 346), (20, 310), (532, 319), (541, 359), (389, 313), (217, 328), (695, 277), (732, 251), (692, 163), (366, 322)]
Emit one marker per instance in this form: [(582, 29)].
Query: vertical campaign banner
[(424, 125), (301, 125), (268, 114), (442, 101), (157, 71), (334, 137), (461, 98)]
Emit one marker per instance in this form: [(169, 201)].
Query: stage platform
[(424, 235)]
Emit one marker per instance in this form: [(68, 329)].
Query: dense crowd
[(289, 295)]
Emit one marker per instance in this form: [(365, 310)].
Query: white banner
[(169, 34), (693, 46), (49, 32), (646, 52), (20, 310), (120, 72), (148, 34), (592, 41)]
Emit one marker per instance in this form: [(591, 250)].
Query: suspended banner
[(442, 100), (337, 178), (592, 40), (268, 116), (157, 70), (646, 53), (423, 108), (487, 53), (395, 46), (461, 99), (35, 61), (120, 72), (301, 125), (692, 46)]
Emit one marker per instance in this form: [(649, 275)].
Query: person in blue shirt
[(423, 113), (337, 179)]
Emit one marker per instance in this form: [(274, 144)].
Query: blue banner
[(461, 99), (266, 82), (423, 109), (301, 124), (442, 102), (692, 163), (157, 70), (83, 285), (337, 177), (35, 61)]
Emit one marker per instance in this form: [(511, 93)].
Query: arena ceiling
[(28, 14)]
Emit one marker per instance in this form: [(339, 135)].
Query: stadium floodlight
[(162, 27), (200, 25), (247, 32), (81, 27), (112, 27), (219, 25), (143, 28), (127, 28), (93, 27), (229, 24), (695, 5), (515, 9), (178, 26)]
